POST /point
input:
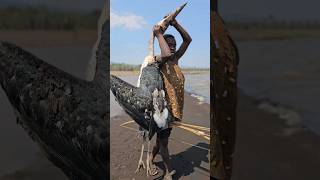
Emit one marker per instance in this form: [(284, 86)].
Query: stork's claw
[(140, 165)]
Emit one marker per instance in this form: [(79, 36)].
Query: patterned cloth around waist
[(173, 80)]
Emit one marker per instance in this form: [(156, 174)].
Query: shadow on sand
[(185, 162)]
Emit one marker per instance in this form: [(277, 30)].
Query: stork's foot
[(169, 175), (140, 166)]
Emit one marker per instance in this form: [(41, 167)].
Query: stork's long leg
[(148, 157), (141, 163)]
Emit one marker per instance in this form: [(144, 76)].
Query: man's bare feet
[(153, 169), (169, 175)]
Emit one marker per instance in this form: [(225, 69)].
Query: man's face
[(172, 44)]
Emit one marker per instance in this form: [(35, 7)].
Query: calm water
[(284, 72)]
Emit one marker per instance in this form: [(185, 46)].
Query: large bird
[(66, 116), (146, 104)]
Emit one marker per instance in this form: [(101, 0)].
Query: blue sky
[(132, 21)]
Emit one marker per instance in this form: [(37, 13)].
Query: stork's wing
[(135, 101), (55, 113)]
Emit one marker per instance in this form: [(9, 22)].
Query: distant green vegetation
[(124, 67), (33, 18), (131, 67)]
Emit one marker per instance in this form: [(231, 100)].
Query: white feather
[(161, 118), (146, 62)]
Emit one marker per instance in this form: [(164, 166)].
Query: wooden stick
[(192, 126), (197, 130)]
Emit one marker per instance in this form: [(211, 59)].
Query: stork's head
[(159, 101), (160, 113), (171, 41)]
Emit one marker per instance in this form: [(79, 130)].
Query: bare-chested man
[(173, 85)]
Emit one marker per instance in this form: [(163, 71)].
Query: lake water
[(284, 73)]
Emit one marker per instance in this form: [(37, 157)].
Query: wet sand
[(189, 161)]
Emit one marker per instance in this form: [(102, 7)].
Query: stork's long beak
[(164, 23)]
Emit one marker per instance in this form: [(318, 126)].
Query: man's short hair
[(166, 36)]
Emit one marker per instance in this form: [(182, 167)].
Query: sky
[(132, 22)]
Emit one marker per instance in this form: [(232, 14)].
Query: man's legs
[(155, 149), (153, 154), (162, 145), (165, 154)]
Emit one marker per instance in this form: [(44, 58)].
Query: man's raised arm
[(185, 36), (164, 48)]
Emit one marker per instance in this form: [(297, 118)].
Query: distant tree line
[(124, 67), (43, 18)]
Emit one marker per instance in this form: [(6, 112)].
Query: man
[(173, 85)]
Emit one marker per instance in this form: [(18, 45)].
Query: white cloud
[(129, 21)]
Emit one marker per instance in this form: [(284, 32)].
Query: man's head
[(171, 42)]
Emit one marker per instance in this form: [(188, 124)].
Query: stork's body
[(145, 104)]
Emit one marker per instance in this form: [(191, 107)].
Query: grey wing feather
[(135, 101), (45, 99)]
